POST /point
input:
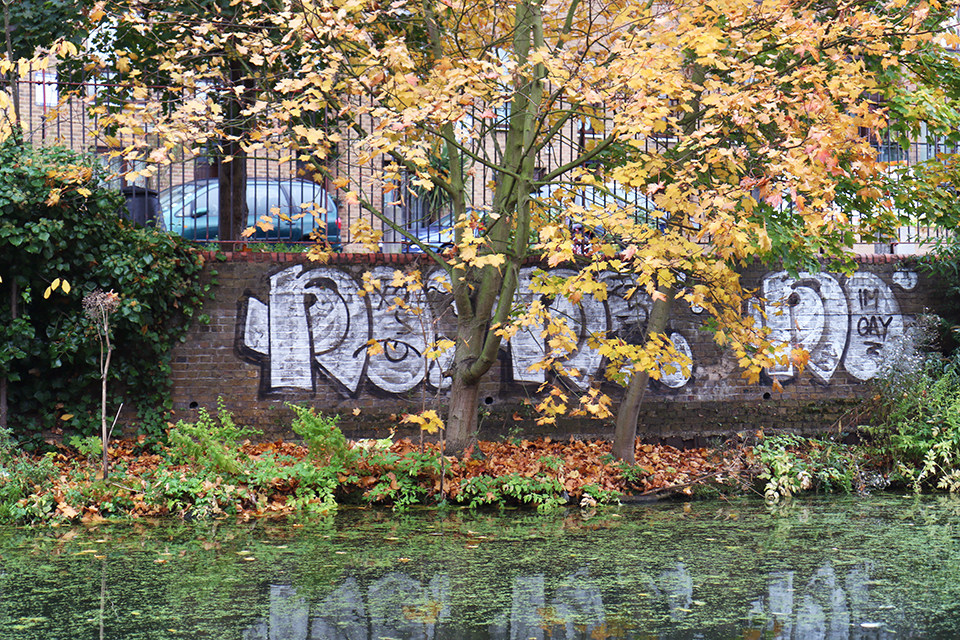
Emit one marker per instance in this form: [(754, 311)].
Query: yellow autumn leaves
[(58, 283)]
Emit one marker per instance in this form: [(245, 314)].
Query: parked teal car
[(192, 210)]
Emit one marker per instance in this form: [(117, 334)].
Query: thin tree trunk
[(233, 196), (4, 383), (233, 168), (105, 435), (625, 434)]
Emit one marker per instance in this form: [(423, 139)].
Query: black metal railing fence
[(53, 111)]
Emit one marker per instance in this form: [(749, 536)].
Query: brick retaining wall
[(283, 330)]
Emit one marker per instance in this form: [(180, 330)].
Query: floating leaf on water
[(871, 625)]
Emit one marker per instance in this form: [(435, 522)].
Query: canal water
[(878, 567)]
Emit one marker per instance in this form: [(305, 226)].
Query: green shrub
[(323, 438), (542, 491), (225, 478), (20, 477), (211, 444), (921, 430), (791, 464), (405, 480), (917, 422), (90, 447)]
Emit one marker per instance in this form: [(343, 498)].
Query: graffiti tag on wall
[(854, 324), (315, 321)]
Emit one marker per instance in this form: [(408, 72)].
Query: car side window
[(315, 197), (206, 202), (264, 196)]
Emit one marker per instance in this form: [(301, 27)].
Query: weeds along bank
[(284, 330), (209, 469)]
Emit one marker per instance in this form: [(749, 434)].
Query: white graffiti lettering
[(851, 323), (315, 321)]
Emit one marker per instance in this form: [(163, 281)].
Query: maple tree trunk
[(625, 434), (462, 418)]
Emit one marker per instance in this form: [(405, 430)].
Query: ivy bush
[(58, 219)]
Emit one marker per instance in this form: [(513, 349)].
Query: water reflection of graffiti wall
[(291, 331), (831, 603)]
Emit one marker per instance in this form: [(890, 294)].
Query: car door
[(316, 210), (267, 200)]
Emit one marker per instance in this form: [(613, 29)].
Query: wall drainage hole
[(194, 405), (488, 400), (766, 396)]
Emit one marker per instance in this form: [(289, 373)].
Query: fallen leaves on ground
[(76, 493)]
